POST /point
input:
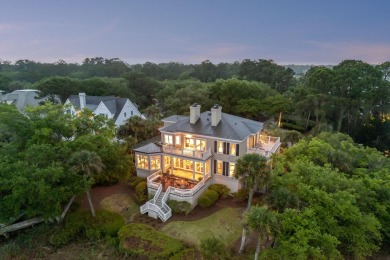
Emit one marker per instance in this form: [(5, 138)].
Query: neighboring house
[(195, 152), (118, 109), (22, 98)]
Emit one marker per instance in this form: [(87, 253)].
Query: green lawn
[(224, 225)]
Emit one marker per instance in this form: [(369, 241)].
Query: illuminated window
[(233, 149), (232, 166), (142, 162), (178, 140), (200, 145), (155, 162), (189, 143), (167, 161), (199, 167), (219, 167), (168, 139), (220, 147)]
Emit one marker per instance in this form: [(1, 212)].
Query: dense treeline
[(352, 97)]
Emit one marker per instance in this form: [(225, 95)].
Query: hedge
[(204, 201), (222, 190), (81, 224), (213, 195)]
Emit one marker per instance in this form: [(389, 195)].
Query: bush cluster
[(222, 190), (81, 224), (241, 194), (135, 180), (212, 248), (180, 207), (212, 194), (141, 192)]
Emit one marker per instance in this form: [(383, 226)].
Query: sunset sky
[(289, 32)]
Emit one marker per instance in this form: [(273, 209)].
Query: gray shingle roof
[(22, 98), (230, 127), (114, 104), (149, 146), (173, 118)]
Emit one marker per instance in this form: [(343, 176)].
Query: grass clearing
[(224, 225), (121, 203)]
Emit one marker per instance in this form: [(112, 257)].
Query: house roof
[(173, 118), (22, 98), (114, 104), (230, 127), (149, 146)]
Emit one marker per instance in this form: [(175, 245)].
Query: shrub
[(204, 201), (82, 224), (213, 195), (143, 241), (222, 190), (241, 194), (180, 207), (135, 180), (212, 248), (141, 192)]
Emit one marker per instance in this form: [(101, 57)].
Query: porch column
[(193, 170), (204, 170), (171, 160)]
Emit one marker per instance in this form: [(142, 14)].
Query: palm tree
[(253, 171), (263, 221), (87, 163)]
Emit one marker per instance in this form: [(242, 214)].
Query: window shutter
[(224, 169), (215, 166), (215, 146), (237, 150), (227, 148), (224, 148)]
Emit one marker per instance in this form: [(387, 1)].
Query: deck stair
[(157, 207)]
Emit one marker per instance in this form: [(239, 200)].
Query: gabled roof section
[(120, 103), (230, 127)]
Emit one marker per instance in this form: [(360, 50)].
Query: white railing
[(187, 152), (165, 206), (151, 204), (150, 180), (268, 146), (190, 192), (157, 194)]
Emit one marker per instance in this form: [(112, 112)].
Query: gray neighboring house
[(22, 98), (195, 152), (118, 109)]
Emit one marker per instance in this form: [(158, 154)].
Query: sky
[(191, 31)]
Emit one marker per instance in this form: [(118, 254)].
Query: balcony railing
[(187, 152), (267, 146)]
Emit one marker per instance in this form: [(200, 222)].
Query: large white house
[(195, 152), (118, 109)]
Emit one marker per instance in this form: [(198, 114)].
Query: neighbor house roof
[(230, 127), (22, 98), (114, 104)]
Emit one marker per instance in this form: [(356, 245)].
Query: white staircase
[(157, 207)]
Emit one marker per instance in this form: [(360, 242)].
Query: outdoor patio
[(178, 182)]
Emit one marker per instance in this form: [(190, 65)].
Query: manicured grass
[(121, 203), (224, 225)]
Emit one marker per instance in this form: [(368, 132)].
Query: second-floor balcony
[(267, 146), (187, 152)]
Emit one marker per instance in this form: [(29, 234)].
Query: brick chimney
[(216, 112), (194, 113), (83, 102)]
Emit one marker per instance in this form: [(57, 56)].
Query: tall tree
[(253, 171), (262, 220), (87, 163)]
